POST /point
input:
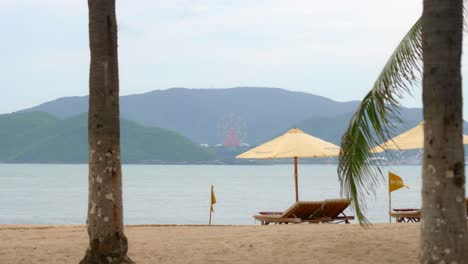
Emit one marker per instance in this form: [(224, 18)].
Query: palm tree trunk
[(443, 229), (107, 241)]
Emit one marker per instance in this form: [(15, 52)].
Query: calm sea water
[(163, 194)]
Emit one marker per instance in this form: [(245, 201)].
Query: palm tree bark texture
[(107, 241), (444, 227)]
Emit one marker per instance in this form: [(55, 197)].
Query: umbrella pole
[(295, 178)]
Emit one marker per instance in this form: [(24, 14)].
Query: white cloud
[(334, 48), (43, 4), (264, 36)]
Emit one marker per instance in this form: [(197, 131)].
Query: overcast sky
[(331, 48)]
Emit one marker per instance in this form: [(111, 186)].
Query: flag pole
[(212, 201), (395, 182), (209, 222), (389, 206), (389, 201)]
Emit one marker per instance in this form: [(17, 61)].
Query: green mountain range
[(207, 115), (332, 128), (203, 116), (39, 137)]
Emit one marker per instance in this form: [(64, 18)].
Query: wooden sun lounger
[(413, 215), (299, 212), (406, 215), (332, 211), (328, 211)]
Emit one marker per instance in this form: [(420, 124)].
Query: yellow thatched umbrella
[(293, 144), (411, 139)]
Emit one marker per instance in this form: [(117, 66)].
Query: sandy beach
[(306, 243)]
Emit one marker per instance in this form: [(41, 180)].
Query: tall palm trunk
[(107, 242), (444, 228)]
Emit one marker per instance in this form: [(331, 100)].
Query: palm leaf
[(374, 120)]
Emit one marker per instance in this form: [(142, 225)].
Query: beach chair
[(406, 215), (412, 215), (332, 211), (301, 211)]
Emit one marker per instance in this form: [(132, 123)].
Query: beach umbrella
[(411, 139), (293, 144)]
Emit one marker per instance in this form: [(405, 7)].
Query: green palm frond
[(375, 118)]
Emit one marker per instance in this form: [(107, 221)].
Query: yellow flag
[(213, 198), (395, 182)]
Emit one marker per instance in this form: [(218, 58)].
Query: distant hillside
[(207, 115), (333, 128), (40, 137), (15, 132)]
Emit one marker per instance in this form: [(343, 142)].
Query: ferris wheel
[(232, 129)]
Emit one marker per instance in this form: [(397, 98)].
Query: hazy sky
[(331, 48)]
